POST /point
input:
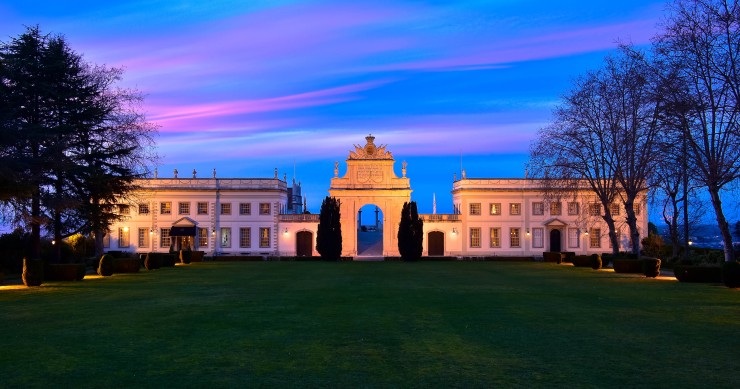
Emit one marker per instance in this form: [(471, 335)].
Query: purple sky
[(249, 86)]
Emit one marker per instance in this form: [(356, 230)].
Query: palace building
[(265, 216)]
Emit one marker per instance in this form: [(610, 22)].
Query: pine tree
[(329, 233)]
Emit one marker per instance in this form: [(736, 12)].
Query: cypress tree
[(329, 233), (410, 233)]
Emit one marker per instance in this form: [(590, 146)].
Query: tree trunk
[(612, 229), (632, 224), (98, 243), (724, 228)]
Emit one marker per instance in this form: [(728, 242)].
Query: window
[(573, 238), (183, 208), (595, 238), (106, 240), (124, 209), (538, 208), (123, 237), (265, 209), (595, 209), (475, 209), (143, 237), (515, 209), (165, 208), (264, 236), (573, 209), (164, 237), (515, 237), (225, 236), (556, 208), (202, 208), (475, 237), (636, 207), (226, 208), (245, 209), (495, 237), (143, 209), (614, 209), (495, 208), (538, 237), (203, 237), (245, 239)]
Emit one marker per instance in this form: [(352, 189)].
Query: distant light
[(125, 229), (53, 242)]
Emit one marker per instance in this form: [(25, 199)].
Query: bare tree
[(701, 40)]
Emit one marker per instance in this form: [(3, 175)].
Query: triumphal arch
[(370, 179)]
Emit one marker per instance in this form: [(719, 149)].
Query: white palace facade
[(265, 216)]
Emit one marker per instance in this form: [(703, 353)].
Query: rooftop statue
[(370, 151)]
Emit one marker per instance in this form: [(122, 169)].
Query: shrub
[(329, 231), (105, 268), (126, 265), (567, 256), (552, 256), (692, 273), (651, 266), (153, 261), (33, 272), (593, 261), (168, 260), (64, 272), (731, 274), (197, 256), (186, 256), (624, 265)]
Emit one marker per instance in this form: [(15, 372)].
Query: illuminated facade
[(263, 216)]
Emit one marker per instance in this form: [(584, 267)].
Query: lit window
[(538, 208), (573, 209), (202, 208), (475, 237), (614, 209), (245, 237), (203, 237), (595, 209), (265, 209), (165, 208), (245, 209), (226, 208), (636, 208), (123, 209), (225, 236), (495, 208), (143, 237), (264, 237), (595, 238), (495, 237), (515, 209), (538, 238), (183, 208), (164, 237), (143, 209), (123, 237), (515, 237), (475, 209), (574, 240), (556, 208)]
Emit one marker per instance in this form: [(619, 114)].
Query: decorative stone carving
[(370, 150)]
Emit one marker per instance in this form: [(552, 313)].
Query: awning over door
[(182, 231)]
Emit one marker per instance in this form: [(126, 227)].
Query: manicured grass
[(441, 324)]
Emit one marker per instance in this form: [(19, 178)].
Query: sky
[(249, 86)]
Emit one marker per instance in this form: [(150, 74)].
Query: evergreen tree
[(329, 233), (410, 233)]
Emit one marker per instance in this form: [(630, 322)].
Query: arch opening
[(370, 231)]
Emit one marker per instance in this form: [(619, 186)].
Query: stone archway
[(370, 179)]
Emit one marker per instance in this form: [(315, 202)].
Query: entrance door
[(436, 241), (555, 240), (304, 244)]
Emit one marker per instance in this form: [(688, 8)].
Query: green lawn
[(464, 324)]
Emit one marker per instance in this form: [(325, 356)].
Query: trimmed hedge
[(593, 261), (126, 265), (623, 265), (197, 256), (568, 256), (65, 272), (689, 273), (553, 256), (731, 274), (238, 258), (186, 256), (105, 267), (33, 272), (651, 266)]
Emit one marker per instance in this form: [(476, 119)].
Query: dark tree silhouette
[(410, 233), (329, 233)]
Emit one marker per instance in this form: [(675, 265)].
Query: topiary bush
[(105, 267), (651, 266), (623, 265), (186, 256), (65, 272), (33, 272), (693, 273), (595, 261), (731, 274), (553, 256), (567, 256), (153, 261), (126, 265)]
